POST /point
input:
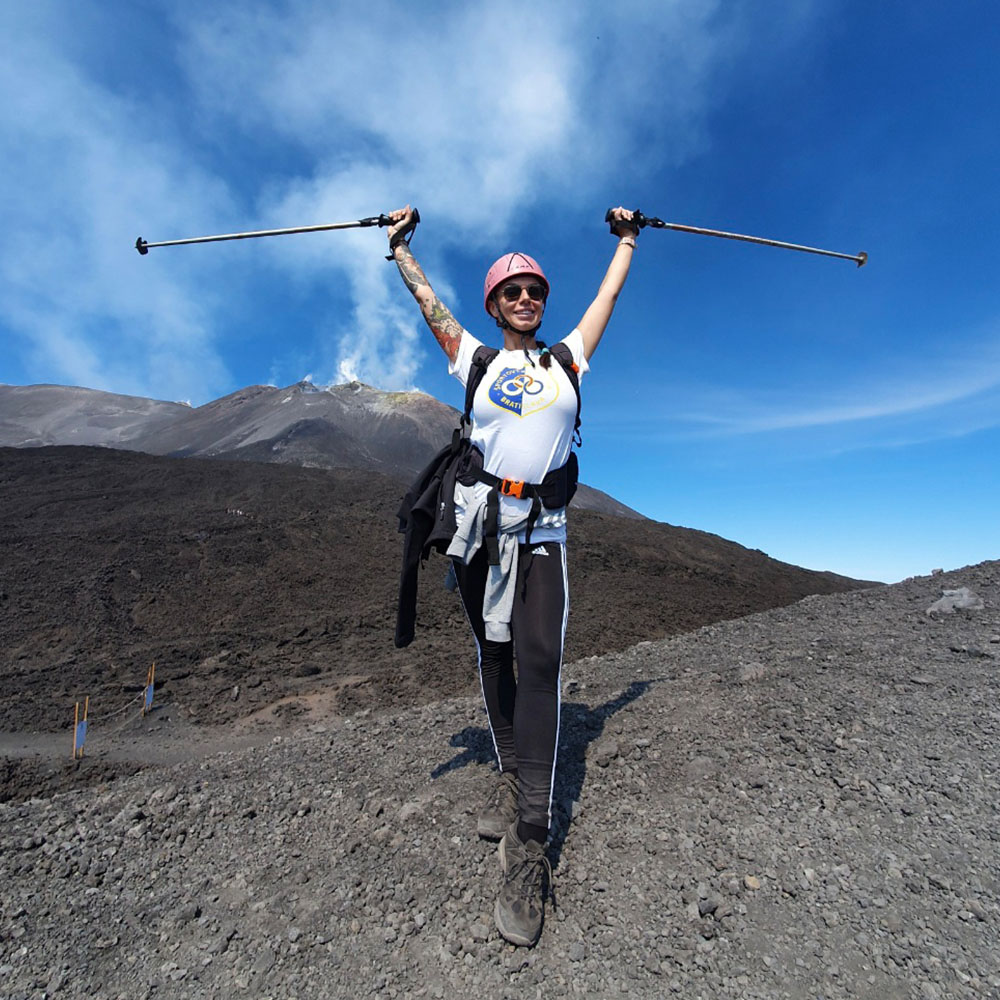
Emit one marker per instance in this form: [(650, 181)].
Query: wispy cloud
[(483, 113), (944, 396), (853, 404), (83, 164)]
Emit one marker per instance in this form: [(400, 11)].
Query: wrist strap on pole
[(403, 236)]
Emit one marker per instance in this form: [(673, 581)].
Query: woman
[(515, 591)]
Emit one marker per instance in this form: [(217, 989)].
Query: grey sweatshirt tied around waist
[(501, 580)]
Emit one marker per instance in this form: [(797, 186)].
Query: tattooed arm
[(446, 329)]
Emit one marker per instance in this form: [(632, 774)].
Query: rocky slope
[(251, 586), (800, 803)]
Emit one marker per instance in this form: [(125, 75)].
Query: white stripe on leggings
[(562, 647), (482, 687)]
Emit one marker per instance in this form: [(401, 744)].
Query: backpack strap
[(564, 356), (480, 362)]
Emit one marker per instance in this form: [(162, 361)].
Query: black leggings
[(524, 711)]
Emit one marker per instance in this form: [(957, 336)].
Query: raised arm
[(595, 319), (446, 329)]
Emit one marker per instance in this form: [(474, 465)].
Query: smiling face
[(521, 302)]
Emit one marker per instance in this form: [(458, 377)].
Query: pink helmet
[(510, 265)]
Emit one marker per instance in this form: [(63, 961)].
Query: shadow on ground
[(580, 726)]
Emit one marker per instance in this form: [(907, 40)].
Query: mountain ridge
[(351, 425)]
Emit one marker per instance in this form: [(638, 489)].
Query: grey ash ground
[(800, 803)]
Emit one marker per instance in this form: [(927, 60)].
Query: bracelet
[(627, 241)]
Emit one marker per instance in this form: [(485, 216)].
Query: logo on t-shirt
[(523, 392)]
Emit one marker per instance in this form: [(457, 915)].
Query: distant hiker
[(509, 549)]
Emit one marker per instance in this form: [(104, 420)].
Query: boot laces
[(528, 873)]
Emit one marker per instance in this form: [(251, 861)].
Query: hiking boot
[(500, 809), (527, 876)]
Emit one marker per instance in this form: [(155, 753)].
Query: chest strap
[(510, 488), (554, 491)]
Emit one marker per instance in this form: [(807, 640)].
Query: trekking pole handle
[(384, 220), (639, 220)]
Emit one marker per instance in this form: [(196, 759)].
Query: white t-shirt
[(522, 422)]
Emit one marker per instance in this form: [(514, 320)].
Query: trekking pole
[(643, 220), (375, 220)]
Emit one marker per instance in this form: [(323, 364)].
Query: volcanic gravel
[(801, 803)]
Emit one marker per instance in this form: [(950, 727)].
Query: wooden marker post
[(80, 728), (147, 696)]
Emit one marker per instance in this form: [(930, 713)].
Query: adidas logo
[(539, 550)]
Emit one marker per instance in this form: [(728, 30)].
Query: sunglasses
[(512, 292)]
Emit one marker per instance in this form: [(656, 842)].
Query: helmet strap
[(524, 345), (501, 322)]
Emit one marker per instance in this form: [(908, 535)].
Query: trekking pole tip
[(140, 245)]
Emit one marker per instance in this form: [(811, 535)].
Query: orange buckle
[(512, 488)]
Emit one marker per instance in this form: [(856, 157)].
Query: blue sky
[(835, 418)]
